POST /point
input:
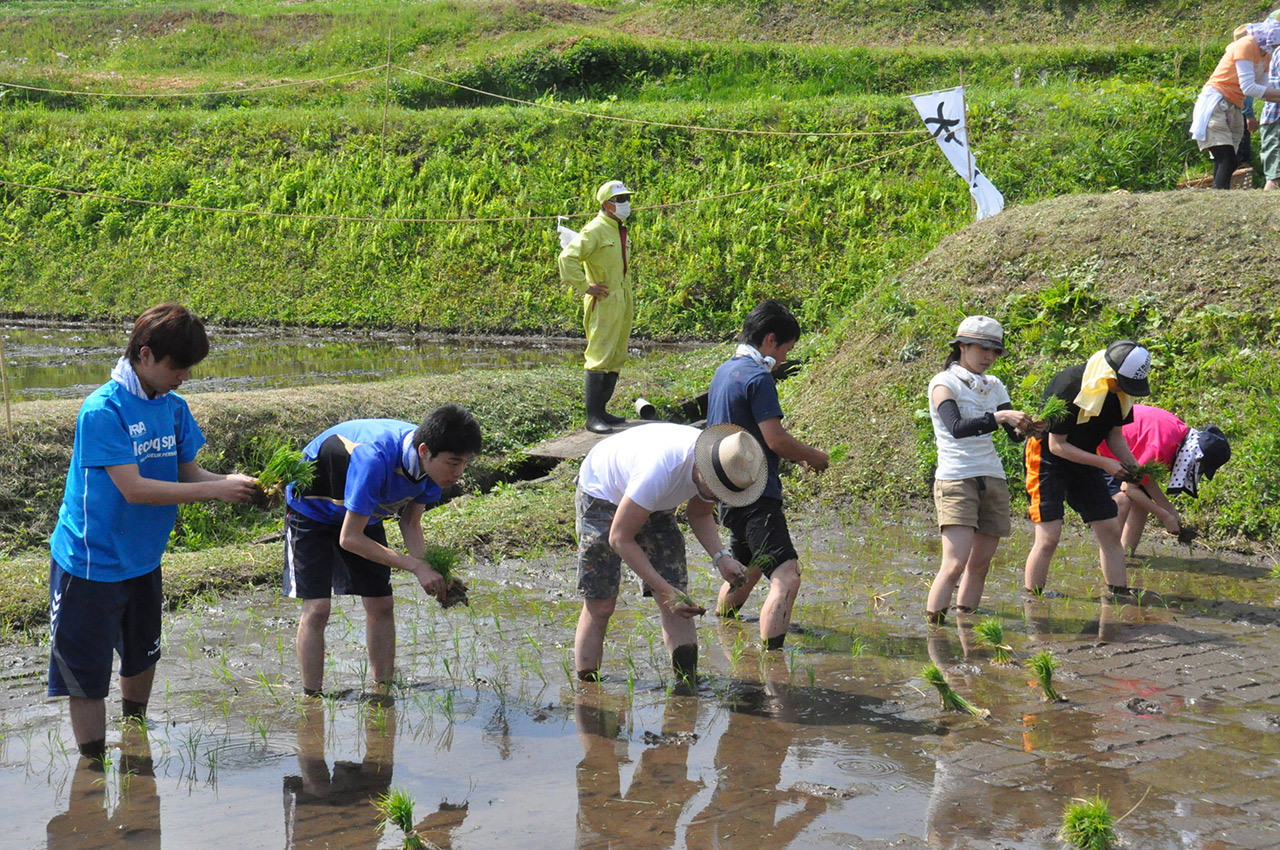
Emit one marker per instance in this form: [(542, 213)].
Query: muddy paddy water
[(1172, 714), (67, 360)]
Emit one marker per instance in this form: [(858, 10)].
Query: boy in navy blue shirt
[(132, 464), (743, 393), (366, 471)]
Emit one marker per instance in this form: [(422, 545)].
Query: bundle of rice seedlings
[(951, 701), (1043, 664), (1088, 825), (397, 810), (444, 560), (1053, 411), (990, 633), (1140, 473), (285, 466)]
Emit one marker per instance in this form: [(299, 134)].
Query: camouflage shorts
[(600, 568)]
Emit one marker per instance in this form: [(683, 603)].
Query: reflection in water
[(113, 806), (324, 808), (645, 817), (743, 811)]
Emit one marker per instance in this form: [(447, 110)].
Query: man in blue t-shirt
[(744, 393), (366, 471), (132, 464)]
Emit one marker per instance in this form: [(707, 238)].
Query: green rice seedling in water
[(951, 701), (1043, 664), (1275, 572), (396, 807), (285, 466), (1088, 825), (990, 633)]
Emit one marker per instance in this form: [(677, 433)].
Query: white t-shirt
[(967, 457), (652, 464)]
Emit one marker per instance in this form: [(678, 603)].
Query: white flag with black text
[(944, 117)]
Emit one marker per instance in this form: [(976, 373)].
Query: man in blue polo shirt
[(743, 393), (366, 471), (132, 464)]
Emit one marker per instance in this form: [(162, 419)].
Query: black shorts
[(1051, 482), (317, 567), (91, 620), (758, 535)]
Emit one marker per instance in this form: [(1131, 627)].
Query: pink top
[(1154, 434)]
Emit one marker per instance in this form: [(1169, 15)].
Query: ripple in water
[(868, 766)]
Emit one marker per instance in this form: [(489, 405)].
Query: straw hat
[(732, 463)]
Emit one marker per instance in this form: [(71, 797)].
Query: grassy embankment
[(1088, 115)]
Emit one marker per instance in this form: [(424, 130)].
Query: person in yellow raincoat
[(597, 263)]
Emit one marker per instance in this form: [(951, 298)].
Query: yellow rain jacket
[(596, 257)]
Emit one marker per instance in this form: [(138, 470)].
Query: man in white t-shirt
[(629, 488)]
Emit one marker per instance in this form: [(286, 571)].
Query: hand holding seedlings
[(1053, 411), (684, 605), (731, 570), (442, 560), (1140, 473), (285, 466)]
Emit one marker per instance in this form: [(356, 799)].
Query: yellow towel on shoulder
[(1094, 387)]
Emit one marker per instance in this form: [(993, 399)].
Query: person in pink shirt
[(1189, 454)]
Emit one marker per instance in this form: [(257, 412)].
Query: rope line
[(695, 127), (246, 90), (396, 220)]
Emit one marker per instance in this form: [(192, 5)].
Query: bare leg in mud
[(315, 616), (380, 635), (775, 614), (588, 641)]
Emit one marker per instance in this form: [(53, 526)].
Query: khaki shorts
[(980, 503), (1226, 126)]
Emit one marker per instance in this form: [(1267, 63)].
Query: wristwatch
[(715, 560)]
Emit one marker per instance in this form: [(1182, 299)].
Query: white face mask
[(621, 210)]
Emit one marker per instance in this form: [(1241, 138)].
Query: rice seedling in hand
[(1053, 411), (285, 466), (682, 598), (1088, 825), (990, 633), (1043, 664), (951, 701), (444, 560), (396, 807), (1140, 473)]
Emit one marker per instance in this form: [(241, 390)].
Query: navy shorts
[(317, 567), (758, 535), (1053, 483), (90, 620)]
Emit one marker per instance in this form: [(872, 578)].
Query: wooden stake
[(386, 99), (4, 381)]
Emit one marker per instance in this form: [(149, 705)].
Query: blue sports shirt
[(744, 393), (366, 466), (100, 536)]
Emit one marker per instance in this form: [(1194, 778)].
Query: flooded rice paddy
[(67, 360), (1171, 713)]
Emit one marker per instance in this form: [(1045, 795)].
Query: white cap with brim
[(732, 464)]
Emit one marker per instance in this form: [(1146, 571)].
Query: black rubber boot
[(610, 383), (595, 399)]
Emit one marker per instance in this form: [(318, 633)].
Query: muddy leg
[(730, 601), (380, 637), (775, 614), (1041, 554), (315, 616), (588, 642)]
